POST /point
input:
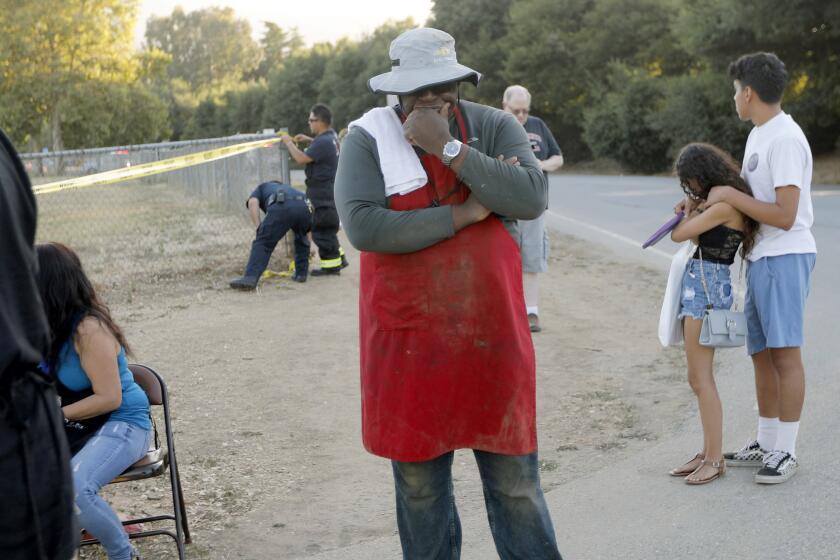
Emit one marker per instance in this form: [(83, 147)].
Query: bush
[(698, 108), (618, 126)]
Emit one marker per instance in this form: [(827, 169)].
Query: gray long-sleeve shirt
[(514, 192)]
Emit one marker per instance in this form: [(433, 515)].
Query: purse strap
[(706, 288)]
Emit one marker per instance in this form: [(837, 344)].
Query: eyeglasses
[(687, 190), (520, 111)]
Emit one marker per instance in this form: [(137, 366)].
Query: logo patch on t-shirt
[(752, 163), (536, 142)]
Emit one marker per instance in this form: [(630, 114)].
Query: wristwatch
[(450, 151)]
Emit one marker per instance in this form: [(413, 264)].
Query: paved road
[(631, 509)]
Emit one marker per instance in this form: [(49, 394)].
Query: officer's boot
[(245, 283)]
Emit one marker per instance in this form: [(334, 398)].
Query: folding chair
[(154, 463)]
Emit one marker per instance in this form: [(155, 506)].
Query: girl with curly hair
[(718, 231)]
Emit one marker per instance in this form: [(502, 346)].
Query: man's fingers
[(511, 160)]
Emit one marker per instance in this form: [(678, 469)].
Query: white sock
[(531, 287), (768, 429), (786, 440), (532, 309)]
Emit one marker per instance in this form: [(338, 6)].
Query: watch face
[(451, 149)]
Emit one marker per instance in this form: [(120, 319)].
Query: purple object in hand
[(660, 233)]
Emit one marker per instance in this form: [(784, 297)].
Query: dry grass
[(137, 239)]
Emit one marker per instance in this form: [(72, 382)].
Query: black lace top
[(720, 244)]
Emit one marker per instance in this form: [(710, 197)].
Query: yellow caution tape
[(271, 273), (153, 168)]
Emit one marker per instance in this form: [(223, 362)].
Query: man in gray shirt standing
[(533, 241), (426, 191)]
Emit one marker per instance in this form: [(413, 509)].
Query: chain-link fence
[(175, 230)]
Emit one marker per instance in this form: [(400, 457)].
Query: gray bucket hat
[(421, 58)]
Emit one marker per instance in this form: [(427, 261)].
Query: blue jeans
[(428, 519), (114, 448)]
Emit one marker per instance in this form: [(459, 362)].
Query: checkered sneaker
[(751, 455), (778, 467)]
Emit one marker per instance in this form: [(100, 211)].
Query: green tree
[(544, 55), (478, 27), (619, 125), (698, 108), (805, 34), (344, 83), (277, 45), (293, 89), (47, 49), (211, 49), (560, 50), (114, 114)]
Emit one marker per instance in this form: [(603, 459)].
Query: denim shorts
[(693, 300), (533, 244), (777, 288)]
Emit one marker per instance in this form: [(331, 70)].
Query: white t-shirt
[(778, 155)]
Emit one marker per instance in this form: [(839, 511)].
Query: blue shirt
[(134, 407), (263, 191), (324, 154), (542, 140)]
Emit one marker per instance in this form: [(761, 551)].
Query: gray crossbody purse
[(721, 328)]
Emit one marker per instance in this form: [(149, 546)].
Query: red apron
[(447, 360)]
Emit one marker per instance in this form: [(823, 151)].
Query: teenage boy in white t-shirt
[(777, 166)]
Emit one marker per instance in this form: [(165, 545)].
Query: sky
[(317, 21)]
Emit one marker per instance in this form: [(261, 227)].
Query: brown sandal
[(684, 470), (719, 465)]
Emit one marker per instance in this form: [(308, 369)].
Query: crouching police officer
[(321, 160), (285, 209)]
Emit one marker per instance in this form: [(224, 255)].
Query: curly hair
[(710, 167)]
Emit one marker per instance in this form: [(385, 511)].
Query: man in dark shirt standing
[(36, 520), (321, 159), (285, 209), (533, 241)]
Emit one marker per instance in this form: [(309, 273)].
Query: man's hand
[(302, 138), (511, 160), (469, 212), (428, 129)]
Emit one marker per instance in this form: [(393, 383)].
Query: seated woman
[(106, 413)]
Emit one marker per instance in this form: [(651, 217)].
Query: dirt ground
[(265, 397)]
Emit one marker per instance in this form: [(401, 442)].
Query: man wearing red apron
[(446, 355)]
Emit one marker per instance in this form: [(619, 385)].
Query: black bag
[(78, 432)]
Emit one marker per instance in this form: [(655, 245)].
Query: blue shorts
[(693, 300), (777, 288)]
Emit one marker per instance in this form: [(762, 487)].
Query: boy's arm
[(780, 214), (788, 160)]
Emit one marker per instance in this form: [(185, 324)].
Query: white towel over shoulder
[(401, 168)]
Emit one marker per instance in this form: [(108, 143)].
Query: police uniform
[(285, 209), (320, 176)]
